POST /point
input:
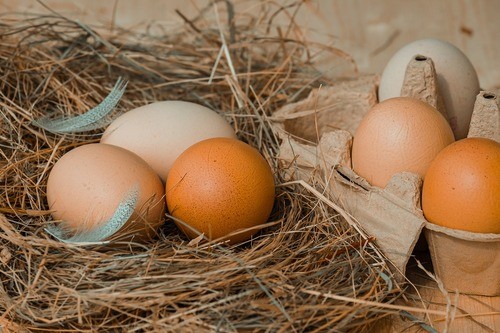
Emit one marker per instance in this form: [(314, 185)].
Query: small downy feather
[(99, 235), (90, 120)]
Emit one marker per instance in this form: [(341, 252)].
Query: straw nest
[(307, 270)]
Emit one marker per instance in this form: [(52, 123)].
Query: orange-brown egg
[(218, 186), (87, 184), (462, 187), (396, 135)]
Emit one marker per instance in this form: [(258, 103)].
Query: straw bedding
[(306, 270)]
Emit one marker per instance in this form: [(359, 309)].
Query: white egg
[(161, 131), (457, 79)]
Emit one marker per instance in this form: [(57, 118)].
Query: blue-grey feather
[(93, 119), (99, 235)]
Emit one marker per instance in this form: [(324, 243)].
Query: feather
[(90, 120), (99, 235)]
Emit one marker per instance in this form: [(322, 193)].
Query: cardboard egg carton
[(316, 136)]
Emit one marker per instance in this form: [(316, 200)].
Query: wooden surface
[(472, 313), (370, 31)]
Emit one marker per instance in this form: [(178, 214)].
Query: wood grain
[(472, 313), (370, 31)]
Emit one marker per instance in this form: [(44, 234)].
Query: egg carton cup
[(465, 261), (316, 135)]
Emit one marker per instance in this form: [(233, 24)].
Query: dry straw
[(307, 270)]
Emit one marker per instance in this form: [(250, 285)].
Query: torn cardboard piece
[(319, 128), (341, 106), (389, 214)]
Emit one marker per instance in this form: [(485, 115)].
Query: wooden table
[(472, 313)]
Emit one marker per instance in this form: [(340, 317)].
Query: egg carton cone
[(485, 121), (316, 139)]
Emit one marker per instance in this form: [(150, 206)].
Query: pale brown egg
[(462, 187), (87, 184), (396, 135), (219, 186), (159, 132)]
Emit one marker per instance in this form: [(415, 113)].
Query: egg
[(462, 187), (161, 131), (219, 186), (456, 79), (87, 184), (396, 135)]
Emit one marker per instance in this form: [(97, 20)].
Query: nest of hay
[(307, 270)]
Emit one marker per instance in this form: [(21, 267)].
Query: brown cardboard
[(466, 262), (316, 138), (420, 82), (485, 121), (389, 214), (341, 106)]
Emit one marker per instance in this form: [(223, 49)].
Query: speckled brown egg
[(220, 186), (396, 135), (462, 187), (87, 184)]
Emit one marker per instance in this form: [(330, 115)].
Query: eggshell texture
[(399, 134), (219, 186), (87, 184), (462, 187), (456, 77), (160, 132)]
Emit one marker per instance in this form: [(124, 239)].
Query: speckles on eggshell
[(231, 190)]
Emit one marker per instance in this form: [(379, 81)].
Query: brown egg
[(219, 186), (462, 187), (87, 184), (396, 135)]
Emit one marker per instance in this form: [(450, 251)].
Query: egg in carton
[(317, 135), (467, 261)]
